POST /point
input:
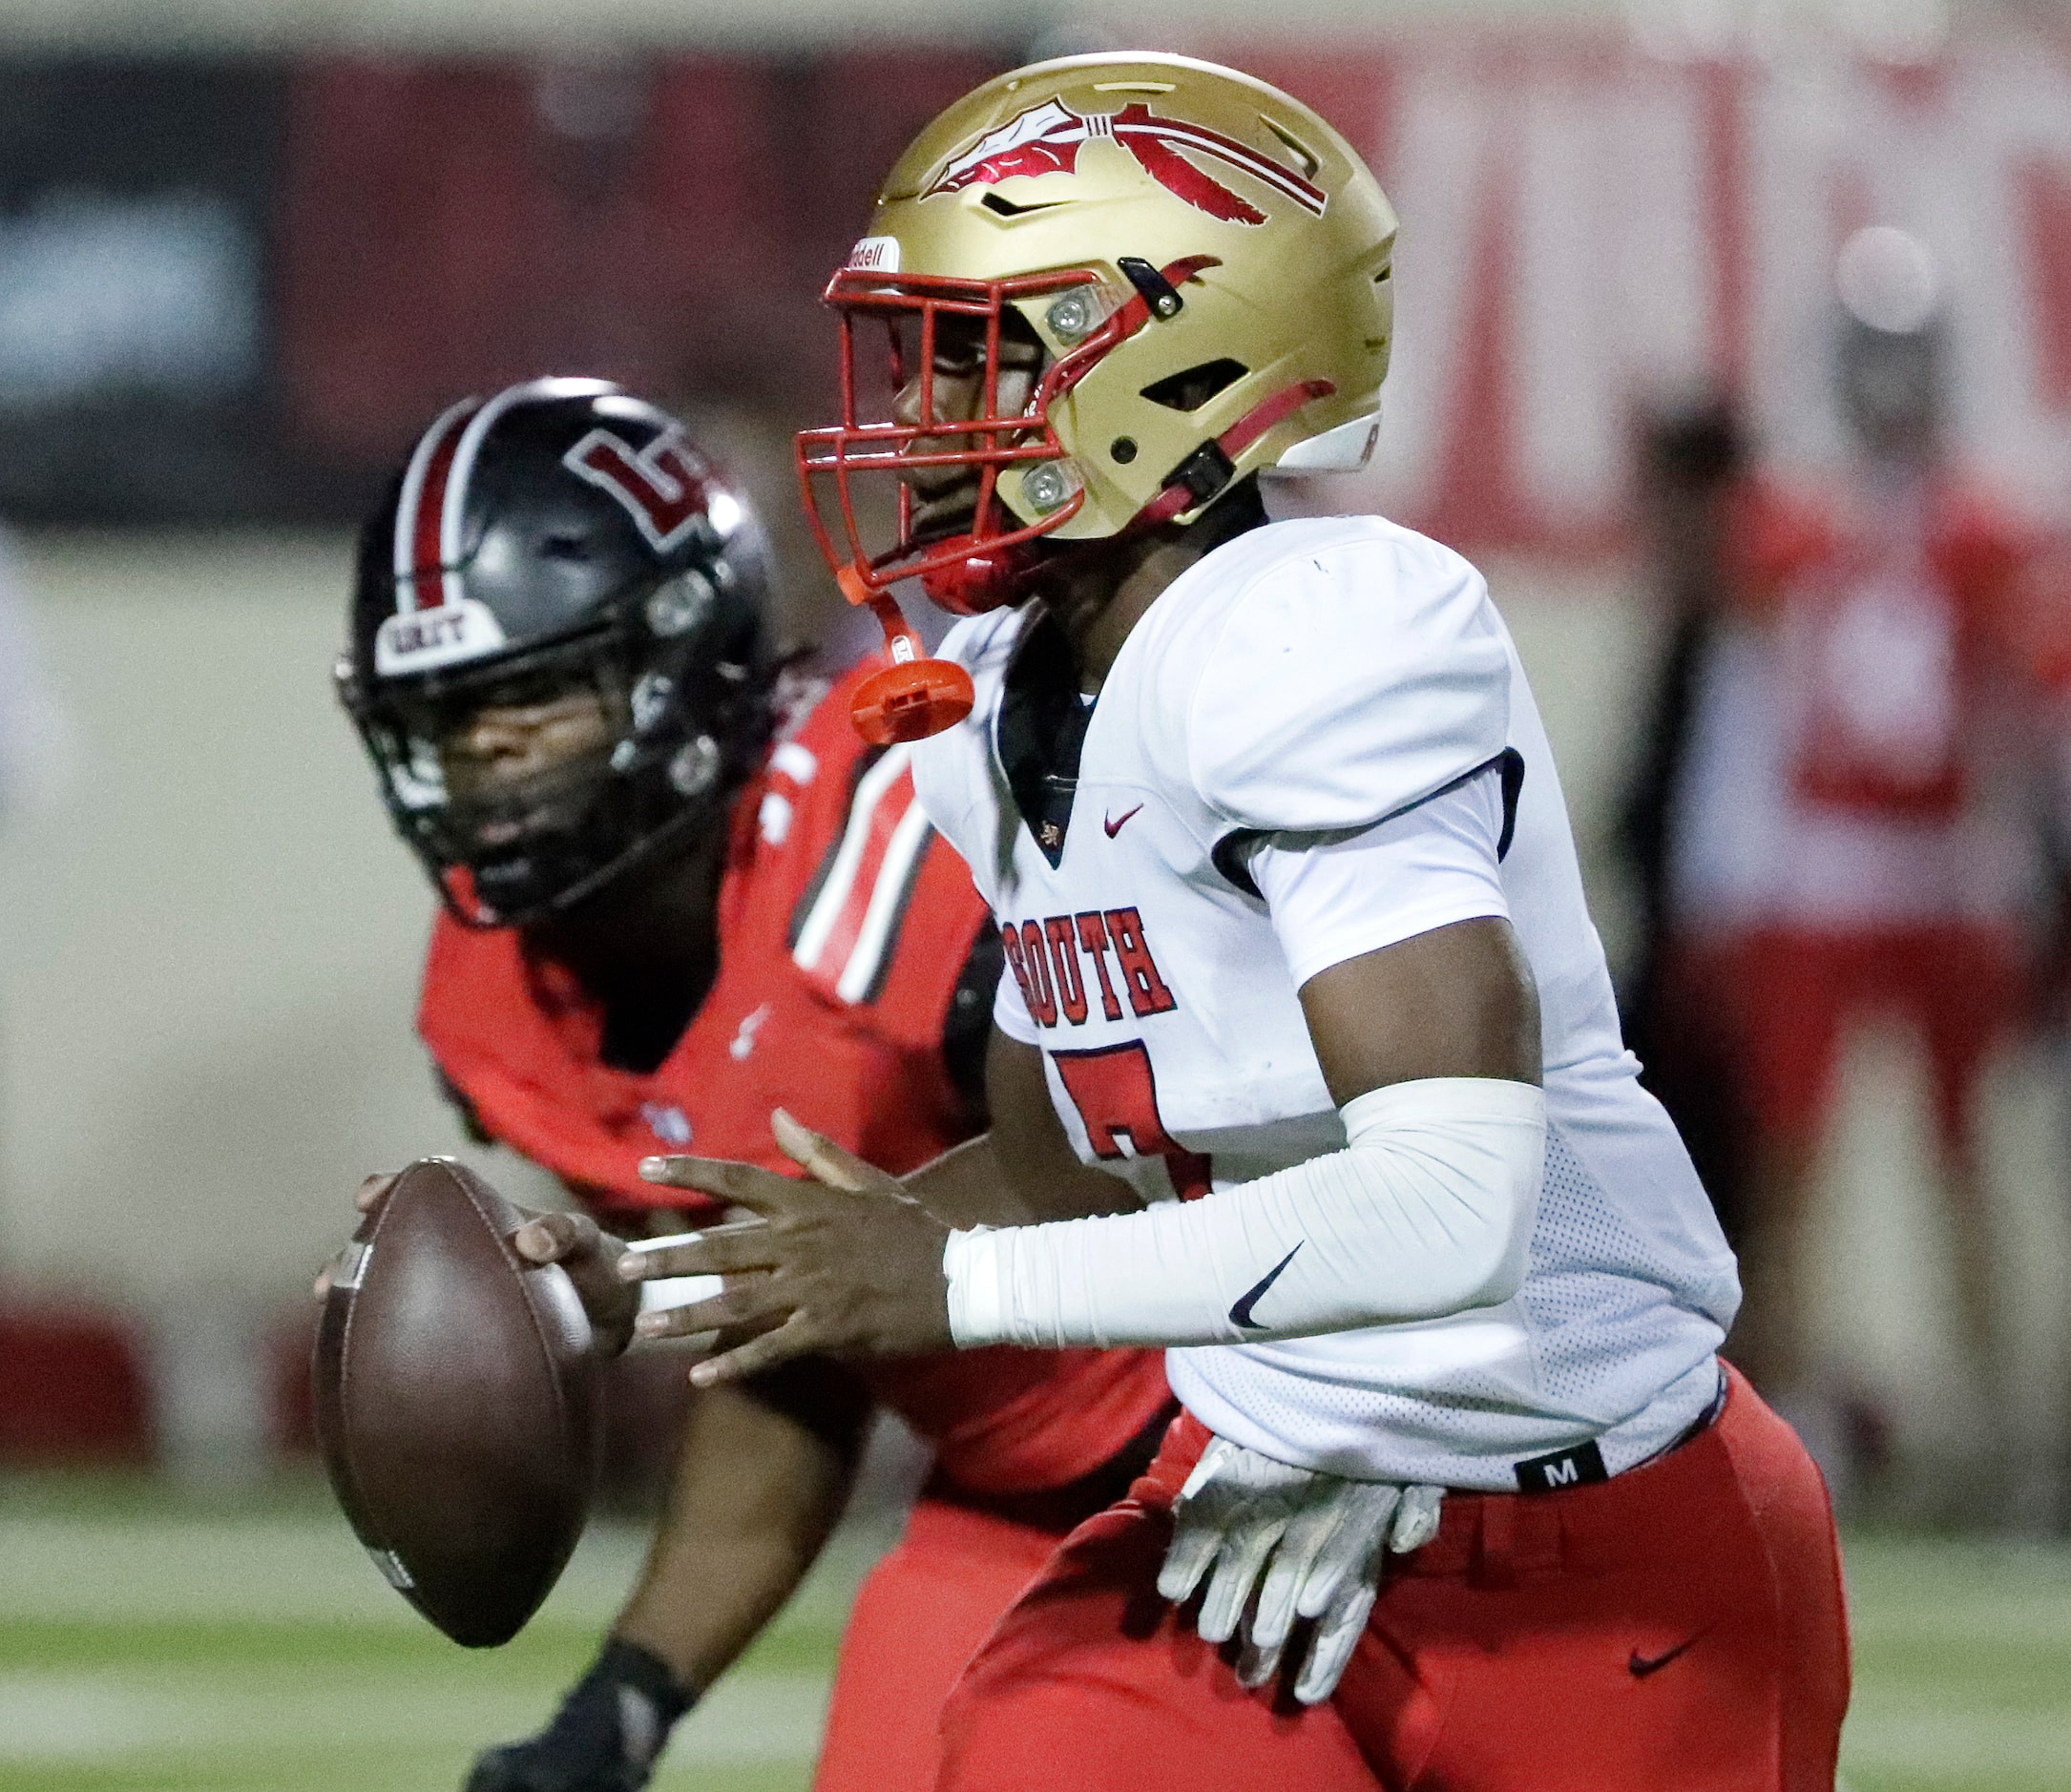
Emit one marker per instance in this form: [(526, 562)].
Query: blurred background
[(1734, 341)]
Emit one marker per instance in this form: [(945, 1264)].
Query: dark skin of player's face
[(945, 496), (1099, 591), (501, 746), (645, 945), (849, 1260)]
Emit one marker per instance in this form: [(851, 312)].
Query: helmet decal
[(1046, 140), (875, 255), (661, 486), (423, 640), (453, 517)]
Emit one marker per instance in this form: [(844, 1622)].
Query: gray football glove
[(1310, 1544)]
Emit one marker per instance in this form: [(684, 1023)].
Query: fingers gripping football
[(1307, 1545), (574, 1241), (571, 1240), (838, 1260), (367, 1199)]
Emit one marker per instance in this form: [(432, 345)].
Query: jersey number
[(1117, 1097)]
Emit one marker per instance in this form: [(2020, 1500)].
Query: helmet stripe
[(418, 510), (1139, 121)]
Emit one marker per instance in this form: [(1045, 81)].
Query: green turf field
[(152, 1647)]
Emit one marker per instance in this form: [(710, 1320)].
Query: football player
[(1855, 842), (1295, 935), (677, 891)]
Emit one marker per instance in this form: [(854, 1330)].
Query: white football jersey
[(1320, 677)]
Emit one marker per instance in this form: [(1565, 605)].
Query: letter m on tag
[(1577, 1466), (661, 486)]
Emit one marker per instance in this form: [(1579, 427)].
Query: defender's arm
[(762, 1472)]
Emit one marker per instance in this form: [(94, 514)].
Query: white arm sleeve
[(1336, 896), (1427, 1210)]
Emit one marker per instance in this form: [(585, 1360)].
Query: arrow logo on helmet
[(662, 487), (1046, 140)]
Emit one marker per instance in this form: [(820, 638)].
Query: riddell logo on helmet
[(875, 255), (1046, 140)]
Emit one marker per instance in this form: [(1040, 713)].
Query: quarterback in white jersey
[(1318, 743), (1305, 1062)]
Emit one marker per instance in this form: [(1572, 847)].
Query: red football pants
[(922, 1614), (1679, 1625)]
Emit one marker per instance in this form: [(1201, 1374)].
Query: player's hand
[(591, 1255), (573, 1240), (842, 1259), (366, 1199), (1310, 1544)]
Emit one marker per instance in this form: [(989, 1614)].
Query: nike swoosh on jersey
[(1115, 825), (1241, 1313), (1640, 1666)]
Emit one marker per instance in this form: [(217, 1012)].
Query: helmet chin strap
[(915, 696), (1213, 465)]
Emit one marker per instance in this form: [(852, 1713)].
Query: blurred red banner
[(1588, 232)]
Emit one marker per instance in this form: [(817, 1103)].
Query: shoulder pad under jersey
[(1321, 675)]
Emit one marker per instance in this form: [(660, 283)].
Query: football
[(458, 1403)]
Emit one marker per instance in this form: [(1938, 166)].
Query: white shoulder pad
[(1355, 672)]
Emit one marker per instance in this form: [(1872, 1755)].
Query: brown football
[(458, 1403)]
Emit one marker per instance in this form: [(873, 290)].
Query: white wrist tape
[(1427, 1211), (665, 1293)]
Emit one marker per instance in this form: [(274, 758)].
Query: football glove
[(1309, 1545), (606, 1736)]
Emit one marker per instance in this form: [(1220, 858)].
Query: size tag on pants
[(1574, 1467)]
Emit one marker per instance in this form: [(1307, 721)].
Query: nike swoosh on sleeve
[(1640, 1666), (1240, 1314)]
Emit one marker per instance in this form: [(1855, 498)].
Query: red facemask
[(987, 565)]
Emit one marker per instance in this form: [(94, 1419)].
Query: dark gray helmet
[(562, 536)]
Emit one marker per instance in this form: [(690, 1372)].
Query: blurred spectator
[(1850, 836), (1690, 460)]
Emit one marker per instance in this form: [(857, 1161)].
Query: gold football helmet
[(1203, 264)]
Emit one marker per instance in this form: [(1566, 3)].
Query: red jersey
[(844, 926), (1894, 608)]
